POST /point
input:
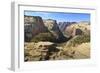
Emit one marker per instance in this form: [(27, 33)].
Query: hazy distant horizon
[(60, 16)]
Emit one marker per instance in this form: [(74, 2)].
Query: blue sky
[(60, 16)]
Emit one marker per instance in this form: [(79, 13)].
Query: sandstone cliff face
[(51, 25), (77, 29), (63, 25), (33, 25), (53, 28)]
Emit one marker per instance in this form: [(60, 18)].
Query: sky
[(60, 16)]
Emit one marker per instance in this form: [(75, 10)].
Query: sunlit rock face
[(53, 27), (77, 29), (33, 25)]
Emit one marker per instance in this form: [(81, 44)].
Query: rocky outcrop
[(40, 51), (33, 25), (54, 28), (77, 29), (43, 51), (63, 25), (81, 51), (52, 25)]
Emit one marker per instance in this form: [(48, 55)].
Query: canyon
[(47, 39)]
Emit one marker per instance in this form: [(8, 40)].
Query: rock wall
[(33, 25), (54, 28), (77, 29)]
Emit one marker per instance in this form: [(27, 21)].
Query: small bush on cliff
[(79, 40)]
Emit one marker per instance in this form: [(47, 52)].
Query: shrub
[(79, 40)]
